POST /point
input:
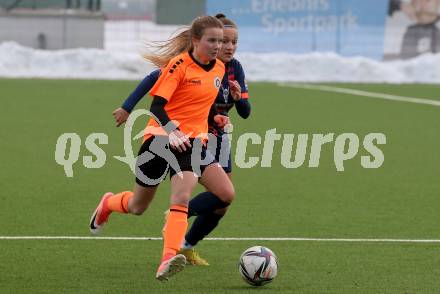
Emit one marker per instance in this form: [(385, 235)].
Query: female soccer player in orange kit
[(183, 96), (233, 93)]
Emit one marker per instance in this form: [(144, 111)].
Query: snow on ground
[(19, 61)]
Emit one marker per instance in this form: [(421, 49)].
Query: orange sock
[(175, 229), (119, 202)]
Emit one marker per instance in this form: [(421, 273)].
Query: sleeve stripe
[(245, 95)]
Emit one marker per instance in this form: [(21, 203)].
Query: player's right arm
[(178, 140), (121, 114)]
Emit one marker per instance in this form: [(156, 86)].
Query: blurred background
[(331, 68), (379, 30)]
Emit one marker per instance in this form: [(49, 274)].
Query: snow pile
[(19, 61)]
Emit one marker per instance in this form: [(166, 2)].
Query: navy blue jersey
[(224, 101)]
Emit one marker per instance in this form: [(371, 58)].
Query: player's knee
[(227, 194)]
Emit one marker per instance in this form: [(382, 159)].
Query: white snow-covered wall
[(18, 61), (122, 59)]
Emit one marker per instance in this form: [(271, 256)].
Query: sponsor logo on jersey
[(195, 82)]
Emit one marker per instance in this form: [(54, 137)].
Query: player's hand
[(221, 120), (179, 140), (235, 88), (121, 115)]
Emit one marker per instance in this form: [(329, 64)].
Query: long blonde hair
[(182, 42)]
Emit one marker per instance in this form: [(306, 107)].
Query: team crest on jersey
[(217, 82), (225, 94)]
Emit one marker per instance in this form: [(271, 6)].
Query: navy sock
[(202, 226), (204, 203)]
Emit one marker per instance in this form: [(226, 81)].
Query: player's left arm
[(242, 105)]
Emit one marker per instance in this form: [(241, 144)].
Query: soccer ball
[(258, 265)]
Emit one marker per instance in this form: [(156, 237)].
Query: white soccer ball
[(258, 265)]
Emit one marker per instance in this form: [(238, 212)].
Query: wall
[(178, 12), (51, 29), (348, 27), (379, 29)]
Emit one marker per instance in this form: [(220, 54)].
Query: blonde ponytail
[(165, 51)]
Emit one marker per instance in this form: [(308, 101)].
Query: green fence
[(178, 12)]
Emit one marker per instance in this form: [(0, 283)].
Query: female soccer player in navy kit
[(233, 92)]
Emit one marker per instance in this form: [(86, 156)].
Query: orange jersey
[(190, 91)]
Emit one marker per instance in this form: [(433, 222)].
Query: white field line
[(362, 93), (223, 239)]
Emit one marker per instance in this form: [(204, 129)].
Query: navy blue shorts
[(222, 152)]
